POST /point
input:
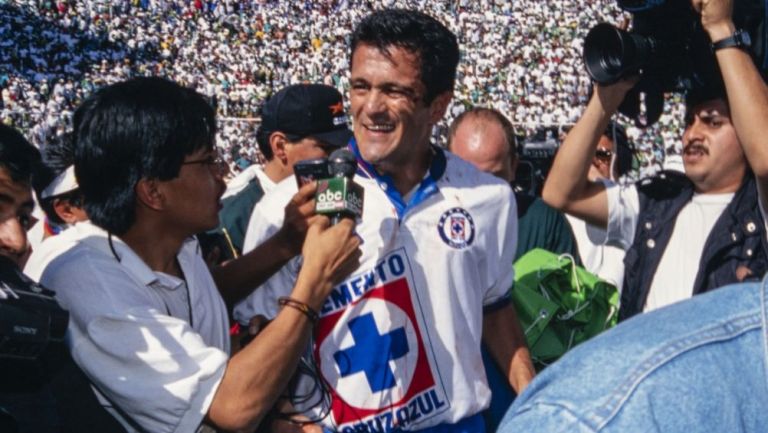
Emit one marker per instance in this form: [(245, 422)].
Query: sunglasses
[(214, 162)]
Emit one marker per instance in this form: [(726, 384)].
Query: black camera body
[(668, 48), (30, 317), (536, 154)]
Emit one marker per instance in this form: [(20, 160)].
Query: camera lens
[(611, 59), (611, 54)]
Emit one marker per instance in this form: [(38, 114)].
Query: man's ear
[(439, 105), (150, 194), (277, 142)]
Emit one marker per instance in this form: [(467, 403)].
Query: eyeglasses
[(603, 154), (214, 162)]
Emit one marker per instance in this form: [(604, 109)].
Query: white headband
[(64, 182)]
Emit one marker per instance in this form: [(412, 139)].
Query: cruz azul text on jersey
[(375, 353)]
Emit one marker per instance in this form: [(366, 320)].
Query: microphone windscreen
[(342, 163)]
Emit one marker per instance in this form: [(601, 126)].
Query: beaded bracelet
[(301, 306)]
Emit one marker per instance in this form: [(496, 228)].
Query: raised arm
[(747, 93), (567, 187), (256, 375), (237, 278)]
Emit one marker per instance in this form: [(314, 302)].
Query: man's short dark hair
[(262, 139), (491, 115), (17, 155), (418, 33), (140, 128), (699, 93)]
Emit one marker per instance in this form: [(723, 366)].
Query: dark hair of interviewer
[(141, 128), (17, 156), (419, 33)]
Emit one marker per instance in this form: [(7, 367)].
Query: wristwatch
[(740, 39)]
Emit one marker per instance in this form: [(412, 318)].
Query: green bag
[(559, 304)]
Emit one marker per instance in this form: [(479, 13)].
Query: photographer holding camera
[(41, 389), (26, 399), (697, 365), (683, 235)]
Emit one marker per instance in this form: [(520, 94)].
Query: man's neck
[(407, 176), (157, 251), (732, 185), (275, 171), (720, 190)]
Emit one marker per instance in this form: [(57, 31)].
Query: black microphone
[(339, 196), (342, 163)]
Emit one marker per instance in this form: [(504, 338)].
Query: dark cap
[(303, 110)]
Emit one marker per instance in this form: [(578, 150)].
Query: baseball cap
[(302, 110)]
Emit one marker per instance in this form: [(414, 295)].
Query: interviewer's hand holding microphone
[(331, 247)]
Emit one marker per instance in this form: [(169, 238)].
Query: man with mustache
[(665, 377), (686, 235)]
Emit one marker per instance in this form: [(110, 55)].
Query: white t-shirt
[(239, 182), (420, 291), (603, 260), (676, 273), (151, 343)]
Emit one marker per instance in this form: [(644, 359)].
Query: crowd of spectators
[(522, 58)]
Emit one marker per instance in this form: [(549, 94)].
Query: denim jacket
[(695, 366)]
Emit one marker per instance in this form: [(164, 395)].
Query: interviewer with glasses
[(148, 325)]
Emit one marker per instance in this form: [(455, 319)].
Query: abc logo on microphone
[(339, 195)]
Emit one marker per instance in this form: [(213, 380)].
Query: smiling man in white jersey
[(399, 341)]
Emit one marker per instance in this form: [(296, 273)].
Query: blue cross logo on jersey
[(456, 228), (372, 352)]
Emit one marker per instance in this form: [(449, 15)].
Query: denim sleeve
[(542, 417)]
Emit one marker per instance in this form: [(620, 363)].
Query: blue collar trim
[(426, 188)]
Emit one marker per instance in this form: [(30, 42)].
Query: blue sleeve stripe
[(498, 304)]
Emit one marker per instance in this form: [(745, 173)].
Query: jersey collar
[(426, 188)]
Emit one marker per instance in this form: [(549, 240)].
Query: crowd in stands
[(176, 148), (522, 58)]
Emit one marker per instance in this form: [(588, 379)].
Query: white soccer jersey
[(399, 340)]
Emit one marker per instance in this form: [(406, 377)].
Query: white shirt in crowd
[(239, 182), (603, 260)]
